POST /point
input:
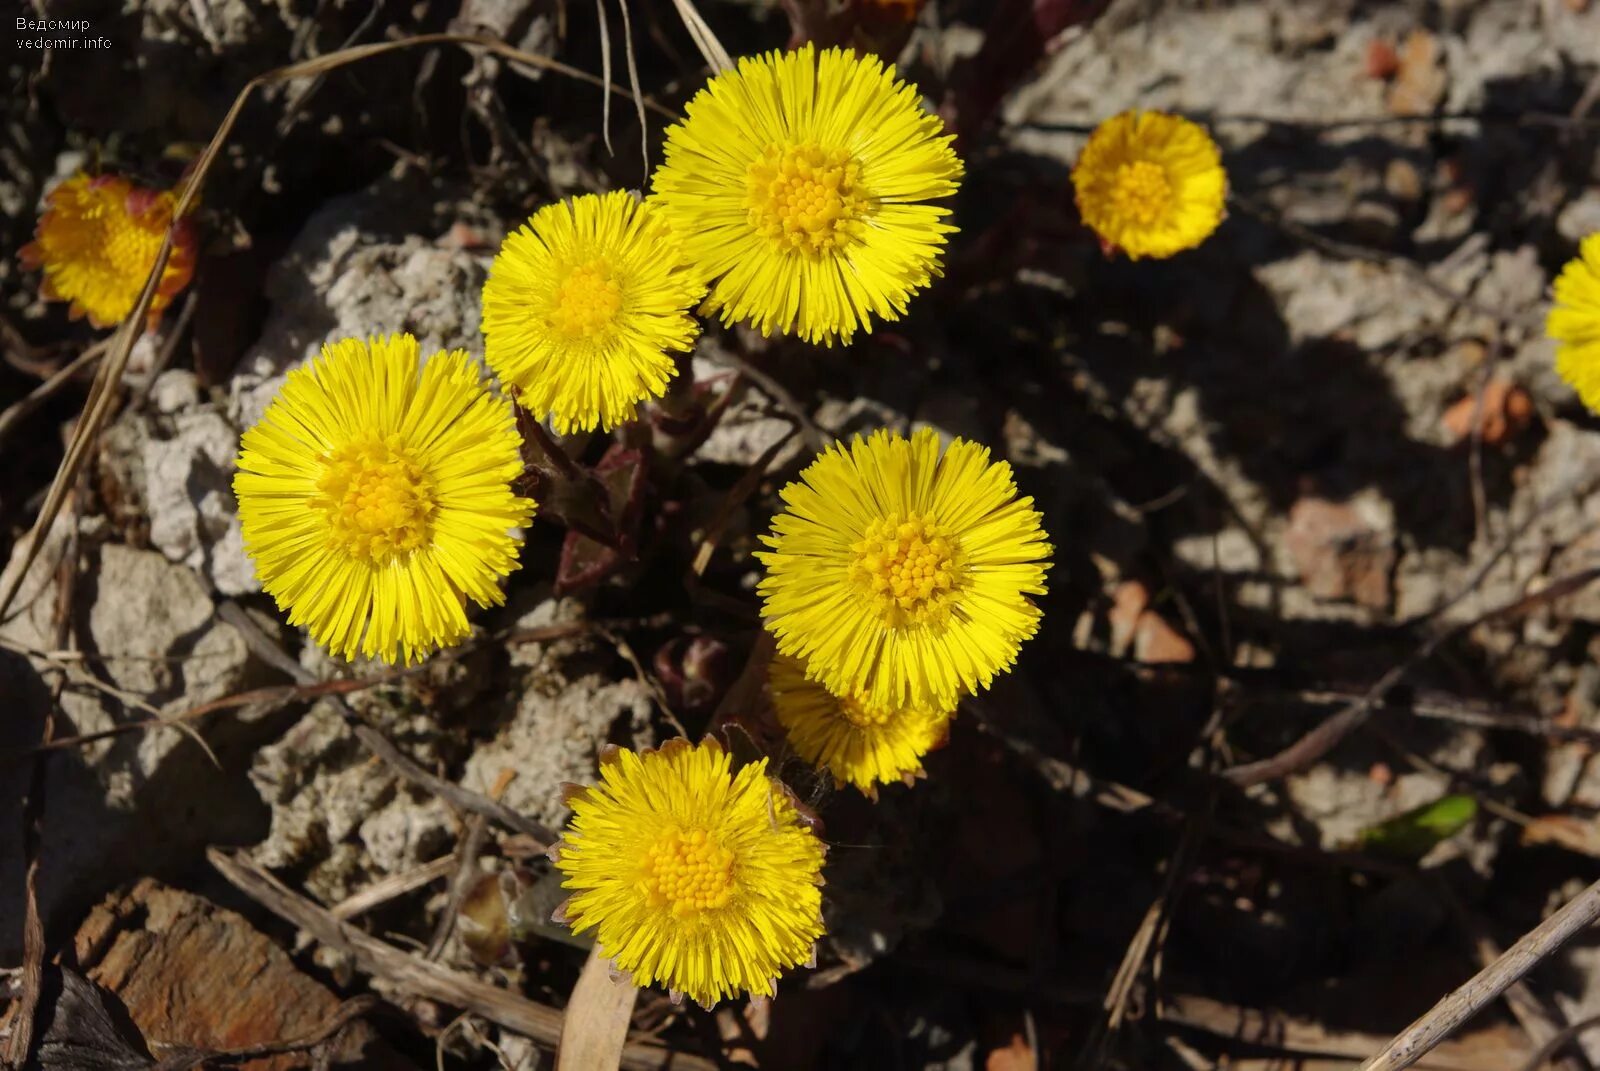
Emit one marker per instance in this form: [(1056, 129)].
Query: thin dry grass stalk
[(1445, 1017), (704, 39), (413, 974)]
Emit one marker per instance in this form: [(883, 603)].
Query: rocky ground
[(1321, 464)]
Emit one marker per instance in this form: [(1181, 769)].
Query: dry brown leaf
[(1419, 80), (1338, 552), (1382, 59), (1017, 1056), (1128, 603), (1507, 411), (595, 1027), (1156, 641), (1564, 831), (1139, 631)]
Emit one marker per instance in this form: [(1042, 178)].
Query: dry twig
[(1320, 740), (387, 888), (1445, 1017), (380, 745), (538, 1022), (30, 402)]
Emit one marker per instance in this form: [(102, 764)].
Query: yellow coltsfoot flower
[(901, 576), (1575, 323), (854, 740), (96, 242), (376, 497), (799, 182), (693, 876), (584, 307), (1150, 184)]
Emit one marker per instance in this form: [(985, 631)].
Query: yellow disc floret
[(906, 567), (379, 501), (806, 198), (1141, 192), (687, 872), (587, 302)]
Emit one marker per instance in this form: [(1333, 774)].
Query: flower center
[(1141, 191), (907, 566), (588, 301), (687, 872), (806, 199), (864, 715), (379, 502)]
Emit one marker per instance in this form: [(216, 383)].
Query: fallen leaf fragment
[(1340, 553), (1139, 631), (1017, 1056), (1419, 81), (1564, 831), (1507, 411), (1382, 59), (594, 1030)]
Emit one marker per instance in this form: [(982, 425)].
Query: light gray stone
[(557, 732)]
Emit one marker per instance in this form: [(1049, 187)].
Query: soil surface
[(1318, 472)]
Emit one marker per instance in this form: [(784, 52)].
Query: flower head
[(693, 876), (1150, 184), (375, 497), (585, 305), (900, 576), (798, 182), (97, 241), (1575, 322), (857, 741)]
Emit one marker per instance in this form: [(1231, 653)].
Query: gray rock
[(358, 269), (1343, 799), (143, 801), (555, 735), (336, 810), (1581, 218), (188, 466)]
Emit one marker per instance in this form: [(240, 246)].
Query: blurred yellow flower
[(693, 877), (857, 742), (97, 241), (901, 577), (1575, 322), (375, 496), (1150, 184), (797, 183), (585, 305)]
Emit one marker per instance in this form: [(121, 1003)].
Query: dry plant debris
[(1033, 534)]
